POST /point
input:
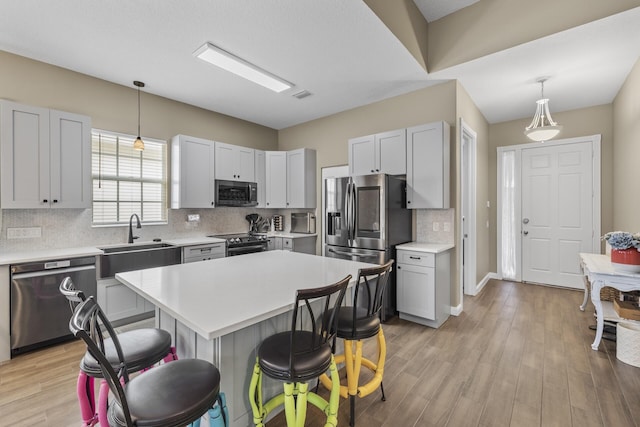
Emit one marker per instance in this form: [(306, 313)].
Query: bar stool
[(298, 356), (141, 348), (356, 323), (169, 395)]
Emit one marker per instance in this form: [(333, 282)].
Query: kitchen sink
[(119, 259)]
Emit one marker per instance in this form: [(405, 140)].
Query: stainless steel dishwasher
[(39, 313)]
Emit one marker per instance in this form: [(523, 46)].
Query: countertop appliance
[(236, 193), (244, 243), (366, 217), (39, 312), (303, 222)]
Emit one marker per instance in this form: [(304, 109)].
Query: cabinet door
[(192, 178), (392, 152), (118, 301), (301, 178), (362, 156), (70, 153), (245, 158), (428, 166), (225, 164), (276, 171), (24, 156), (416, 291), (261, 177)]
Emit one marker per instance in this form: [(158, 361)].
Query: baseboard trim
[(455, 311), (484, 281)]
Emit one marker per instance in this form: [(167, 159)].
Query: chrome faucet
[(138, 225)]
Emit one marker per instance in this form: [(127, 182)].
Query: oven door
[(247, 249)]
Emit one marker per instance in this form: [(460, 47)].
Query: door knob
[(525, 232), (525, 221)]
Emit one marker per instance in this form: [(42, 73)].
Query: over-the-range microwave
[(236, 193)]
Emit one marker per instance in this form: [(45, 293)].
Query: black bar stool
[(142, 348), (300, 355), (170, 395), (356, 323)]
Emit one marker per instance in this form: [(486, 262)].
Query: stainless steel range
[(244, 243)]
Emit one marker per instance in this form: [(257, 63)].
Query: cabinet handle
[(287, 203), (377, 170), (415, 257), (399, 267), (408, 202), (267, 203), (211, 203), (371, 170), (45, 201), (55, 200)]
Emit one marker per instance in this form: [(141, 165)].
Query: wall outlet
[(446, 226), (488, 204), (24, 232), (193, 217), (436, 226)]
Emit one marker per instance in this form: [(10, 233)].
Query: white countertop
[(191, 241), (289, 235), (47, 254), (434, 248), (217, 297)]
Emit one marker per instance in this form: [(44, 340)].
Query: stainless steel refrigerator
[(366, 217)]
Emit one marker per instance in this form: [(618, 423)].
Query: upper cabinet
[(291, 179), (428, 166), (234, 163), (261, 177), (45, 158), (192, 172), (380, 153)]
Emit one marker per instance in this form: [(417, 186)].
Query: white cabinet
[(119, 302), (380, 153), (192, 172), (291, 179), (203, 252), (423, 287), (428, 166), (234, 163), (45, 158), (261, 177)]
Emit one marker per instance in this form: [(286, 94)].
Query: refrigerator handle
[(354, 210), (347, 205)]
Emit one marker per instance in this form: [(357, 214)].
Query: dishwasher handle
[(51, 272)]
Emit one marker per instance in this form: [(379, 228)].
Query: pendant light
[(542, 127), (138, 144)]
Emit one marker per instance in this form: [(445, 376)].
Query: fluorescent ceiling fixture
[(226, 61)]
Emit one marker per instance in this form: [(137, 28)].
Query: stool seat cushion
[(141, 349), (173, 394), (273, 357), (365, 327)]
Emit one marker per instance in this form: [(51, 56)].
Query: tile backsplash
[(66, 228), (435, 226)]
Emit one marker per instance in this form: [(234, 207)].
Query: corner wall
[(626, 154)]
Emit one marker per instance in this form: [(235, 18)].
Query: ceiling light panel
[(238, 66)]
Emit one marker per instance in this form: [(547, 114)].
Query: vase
[(626, 260)]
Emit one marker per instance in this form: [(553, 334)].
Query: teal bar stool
[(301, 355)]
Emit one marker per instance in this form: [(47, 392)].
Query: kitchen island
[(221, 310)]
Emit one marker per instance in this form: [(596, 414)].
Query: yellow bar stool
[(299, 356), (356, 323)]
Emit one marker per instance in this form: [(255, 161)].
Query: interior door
[(557, 217)]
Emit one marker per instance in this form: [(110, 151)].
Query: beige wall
[(493, 25), (626, 154), (582, 122), (114, 107), (472, 116)]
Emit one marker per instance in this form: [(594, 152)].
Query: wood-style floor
[(519, 355)]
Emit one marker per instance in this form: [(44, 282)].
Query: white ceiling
[(337, 50)]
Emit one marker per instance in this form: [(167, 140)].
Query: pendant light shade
[(542, 127), (138, 144)]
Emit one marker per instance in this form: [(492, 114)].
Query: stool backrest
[(86, 323), (74, 296), (370, 287), (322, 321)]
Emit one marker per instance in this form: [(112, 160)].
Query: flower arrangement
[(621, 240)]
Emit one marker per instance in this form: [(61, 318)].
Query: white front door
[(557, 214)]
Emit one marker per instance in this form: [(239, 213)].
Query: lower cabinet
[(423, 287), (306, 244), (203, 252), (119, 302)]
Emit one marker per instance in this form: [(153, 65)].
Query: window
[(126, 181)]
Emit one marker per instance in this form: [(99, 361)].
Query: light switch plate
[(446, 226), (193, 217), (436, 226)]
